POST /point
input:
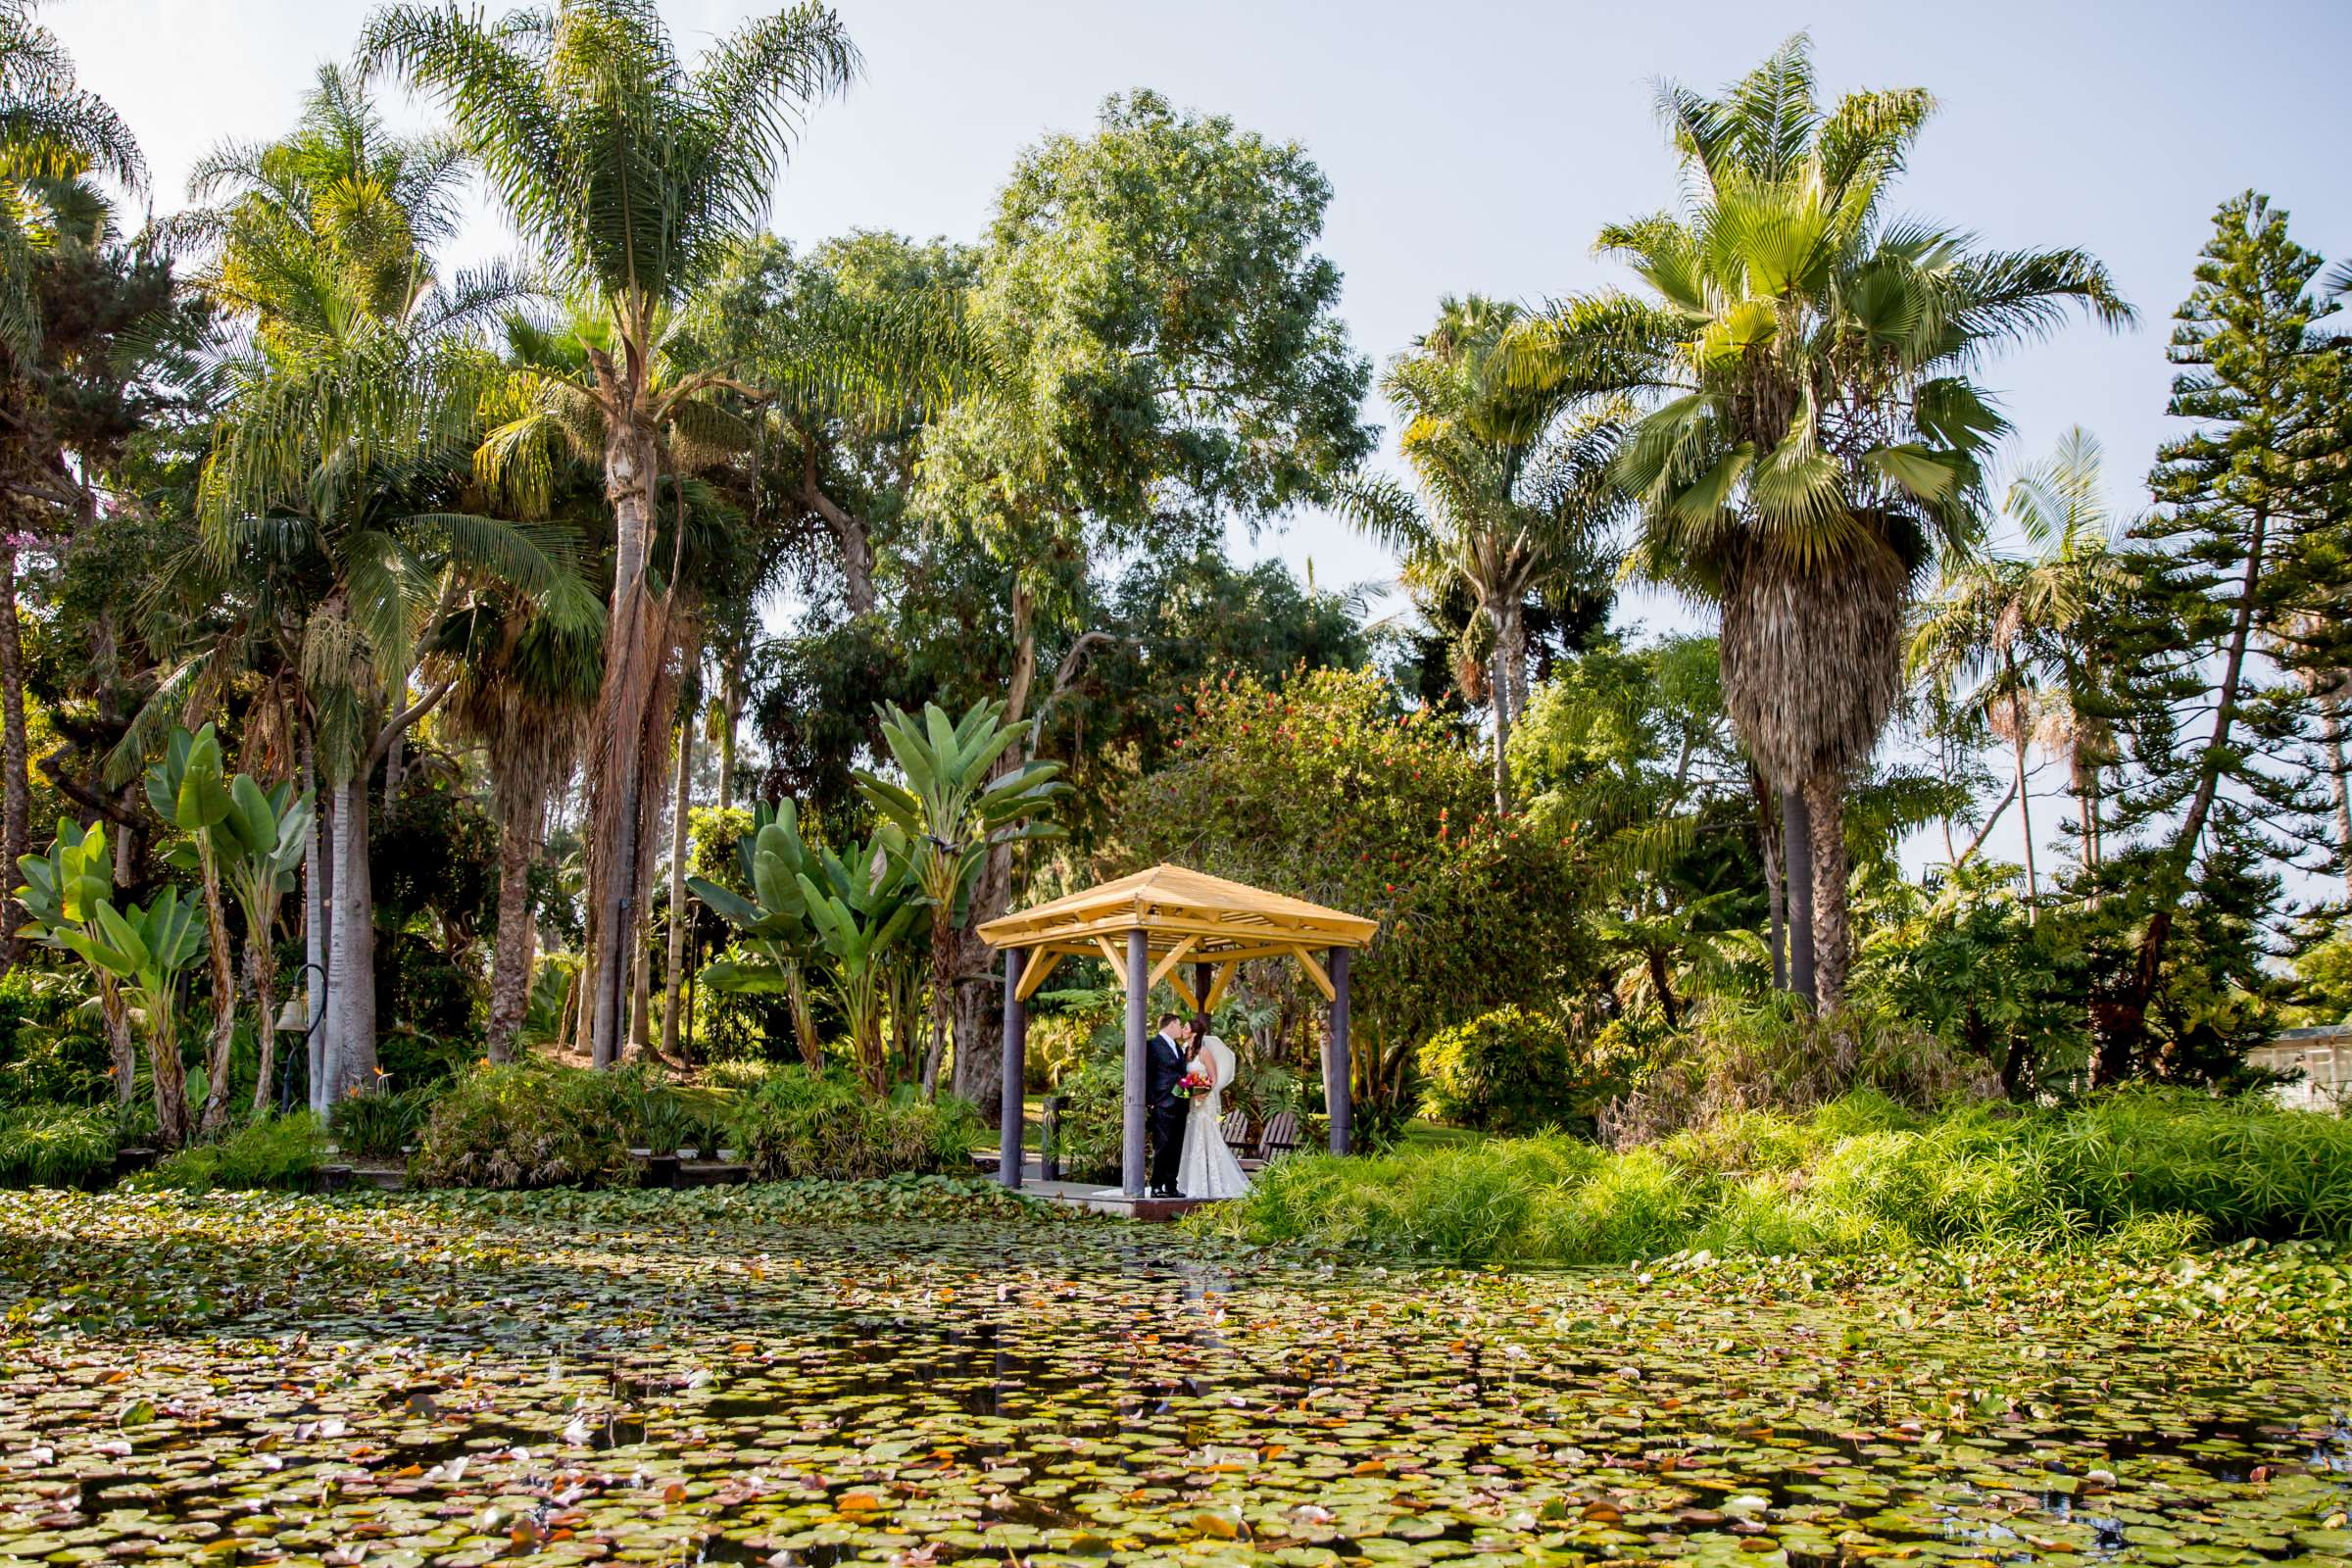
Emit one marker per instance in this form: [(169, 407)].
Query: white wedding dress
[(1207, 1168)]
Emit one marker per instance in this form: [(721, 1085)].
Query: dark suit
[(1164, 1109)]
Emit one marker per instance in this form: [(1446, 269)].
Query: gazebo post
[(1338, 1096), (1017, 1046), (1138, 1073), (1202, 975)]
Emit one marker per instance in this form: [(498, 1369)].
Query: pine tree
[(2218, 727)]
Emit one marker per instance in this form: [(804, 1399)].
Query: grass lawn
[(917, 1372)]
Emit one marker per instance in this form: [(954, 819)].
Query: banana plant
[(860, 904), (260, 847), (188, 788), (148, 950), (62, 891), (253, 840), (955, 809), (773, 922)]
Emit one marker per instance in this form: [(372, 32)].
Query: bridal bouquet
[(1196, 1082)]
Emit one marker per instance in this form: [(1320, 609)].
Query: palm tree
[(1509, 502), (1814, 441), (2019, 633), (631, 174), (526, 689)]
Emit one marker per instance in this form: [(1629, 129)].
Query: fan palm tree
[(1505, 497), (1814, 441), (2013, 637), (631, 174)]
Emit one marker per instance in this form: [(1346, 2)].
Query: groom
[(1163, 1061)]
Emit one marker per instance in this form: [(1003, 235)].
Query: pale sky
[(1477, 147)]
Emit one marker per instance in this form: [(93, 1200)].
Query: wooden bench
[(1279, 1137)]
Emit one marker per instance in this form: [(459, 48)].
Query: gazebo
[(1148, 927)]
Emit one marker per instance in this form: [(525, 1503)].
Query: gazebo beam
[(1118, 964), (1160, 970), (1041, 962), (1314, 971), (1216, 990)]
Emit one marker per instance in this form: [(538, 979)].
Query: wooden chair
[(1279, 1138)]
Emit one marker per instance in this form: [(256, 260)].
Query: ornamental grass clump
[(801, 1125), (2134, 1173), (275, 1154), (57, 1146), (528, 1125)]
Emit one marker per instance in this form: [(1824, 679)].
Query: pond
[(795, 1376)]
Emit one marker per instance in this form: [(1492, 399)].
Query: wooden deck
[(1102, 1199)]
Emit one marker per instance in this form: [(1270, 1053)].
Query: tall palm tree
[(1814, 441), (2015, 637), (1507, 497), (526, 690), (631, 174)]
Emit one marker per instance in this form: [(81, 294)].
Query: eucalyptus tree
[(1513, 493), (1814, 441), (630, 174), (1168, 357)]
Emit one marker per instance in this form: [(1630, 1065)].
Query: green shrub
[(1510, 1071), (2140, 1172), (528, 1125), (801, 1125), (379, 1125), (278, 1153), (52, 1047), (57, 1146), (1777, 1054), (1093, 1119)]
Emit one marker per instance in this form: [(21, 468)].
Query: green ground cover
[(922, 1371)]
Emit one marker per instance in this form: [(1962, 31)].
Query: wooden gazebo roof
[(1186, 917)]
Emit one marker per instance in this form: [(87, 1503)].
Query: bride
[(1207, 1168)]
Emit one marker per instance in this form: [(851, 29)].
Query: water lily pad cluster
[(919, 1373)]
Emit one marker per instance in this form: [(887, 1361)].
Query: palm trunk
[(318, 938), (262, 962), (351, 1009), (2025, 797), (943, 998), (674, 976), (616, 762), (1832, 932), (225, 998), (171, 1080), (1500, 681), (1775, 892), (121, 1046), (804, 1021), (1796, 832), (511, 950), (730, 706), (16, 788)]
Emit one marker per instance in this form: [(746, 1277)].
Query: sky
[(1477, 146)]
